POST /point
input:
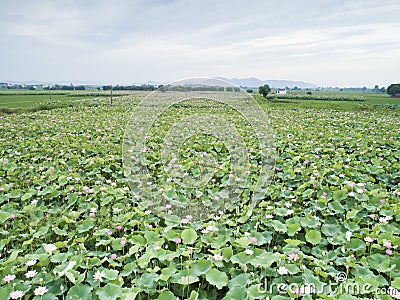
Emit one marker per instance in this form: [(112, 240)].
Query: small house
[(281, 91)]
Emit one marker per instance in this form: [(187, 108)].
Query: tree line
[(393, 90), (144, 87)]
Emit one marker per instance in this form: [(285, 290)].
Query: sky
[(346, 43)]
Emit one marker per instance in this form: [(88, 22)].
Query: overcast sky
[(329, 43)]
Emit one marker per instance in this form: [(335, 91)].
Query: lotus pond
[(327, 227)]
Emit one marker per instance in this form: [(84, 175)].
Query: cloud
[(128, 41)]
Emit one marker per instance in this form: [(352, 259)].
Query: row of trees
[(65, 87), (204, 88), (392, 90), (378, 90), (144, 87)]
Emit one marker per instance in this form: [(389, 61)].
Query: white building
[(281, 91)]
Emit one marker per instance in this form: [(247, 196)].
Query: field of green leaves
[(328, 226)]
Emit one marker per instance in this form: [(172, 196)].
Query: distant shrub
[(7, 110), (389, 106), (317, 97)]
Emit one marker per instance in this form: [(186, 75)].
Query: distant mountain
[(245, 82), (242, 82), (156, 83), (255, 82), (291, 84), (61, 82), (30, 82)]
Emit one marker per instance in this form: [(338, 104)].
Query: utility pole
[(111, 96)]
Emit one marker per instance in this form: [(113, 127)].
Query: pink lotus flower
[(387, 244), (30, 274), (119, 227), (113, 256), (178, 240), (293, 256), (218, 257), (16, 294), (123, 242), (253, 239), (40, 291), (31, 262), (9, 278), (368, 239), (282, 270), (98, 276), (249, 251)]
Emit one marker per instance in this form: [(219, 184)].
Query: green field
[(17, 99), (74, 223), (29, 99), (381, 99), (20, 101)]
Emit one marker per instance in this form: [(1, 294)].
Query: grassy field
[(381, 99), (29, 99), (19, 101)]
